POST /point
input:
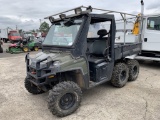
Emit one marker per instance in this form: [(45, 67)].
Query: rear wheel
[(120, 75), (133, 66), (25, 49), (64, 98), (31, 88)]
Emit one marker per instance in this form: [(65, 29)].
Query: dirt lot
[(139, 100)]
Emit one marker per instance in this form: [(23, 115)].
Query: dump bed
[(122, 51)]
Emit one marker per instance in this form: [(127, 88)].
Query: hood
[(45, 58), (61, 57), (42, 55)]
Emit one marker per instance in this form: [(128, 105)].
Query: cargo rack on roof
[(90, 9), (78, 11)]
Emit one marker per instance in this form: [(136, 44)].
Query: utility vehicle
[(79, 52), (150, 38)]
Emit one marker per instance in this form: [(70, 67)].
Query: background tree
[(44, 27), (37, 30), (33, 31)]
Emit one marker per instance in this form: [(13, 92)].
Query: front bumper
[(40, 76)]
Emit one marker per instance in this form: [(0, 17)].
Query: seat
[(97, 48)]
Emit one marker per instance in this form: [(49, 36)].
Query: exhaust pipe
[(141, 23)]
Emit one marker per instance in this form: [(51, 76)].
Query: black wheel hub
[(67, 101), (123, 75)]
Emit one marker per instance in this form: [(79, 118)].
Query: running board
[(93, 84), (147, 58)]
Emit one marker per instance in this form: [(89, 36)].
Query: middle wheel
[(120, 75)]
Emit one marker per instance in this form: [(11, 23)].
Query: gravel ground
[(138, 100)]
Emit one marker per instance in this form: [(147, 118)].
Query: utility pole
[(16, 27), (20, 16), (40, 21)]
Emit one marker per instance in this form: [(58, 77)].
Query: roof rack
[(91, 8), (111, 11)]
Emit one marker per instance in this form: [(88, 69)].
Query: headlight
[(56, 63), (44, 62)]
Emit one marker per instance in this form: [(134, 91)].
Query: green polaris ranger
[(79, 53)]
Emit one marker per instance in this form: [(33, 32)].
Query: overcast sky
[(26, 14)]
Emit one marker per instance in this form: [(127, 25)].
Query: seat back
[(99, 46)]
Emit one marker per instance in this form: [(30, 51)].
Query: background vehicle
[(43, 34), (37, 34), (39, 41), (90, 59), (150, 41), (150, 36), (23, 46), (10, 35)]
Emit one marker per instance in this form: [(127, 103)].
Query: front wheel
[(120, 75), (31, 88), (64, 98)]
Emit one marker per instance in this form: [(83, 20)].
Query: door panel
[(151, 41)]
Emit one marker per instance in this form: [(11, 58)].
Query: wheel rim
[(67, 101), (25, 49), (123, 75), (135, 69), (36, 48)]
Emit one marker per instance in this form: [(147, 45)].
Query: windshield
[(63, 33), (15, 34)]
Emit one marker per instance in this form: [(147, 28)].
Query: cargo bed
[(122, 51)]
